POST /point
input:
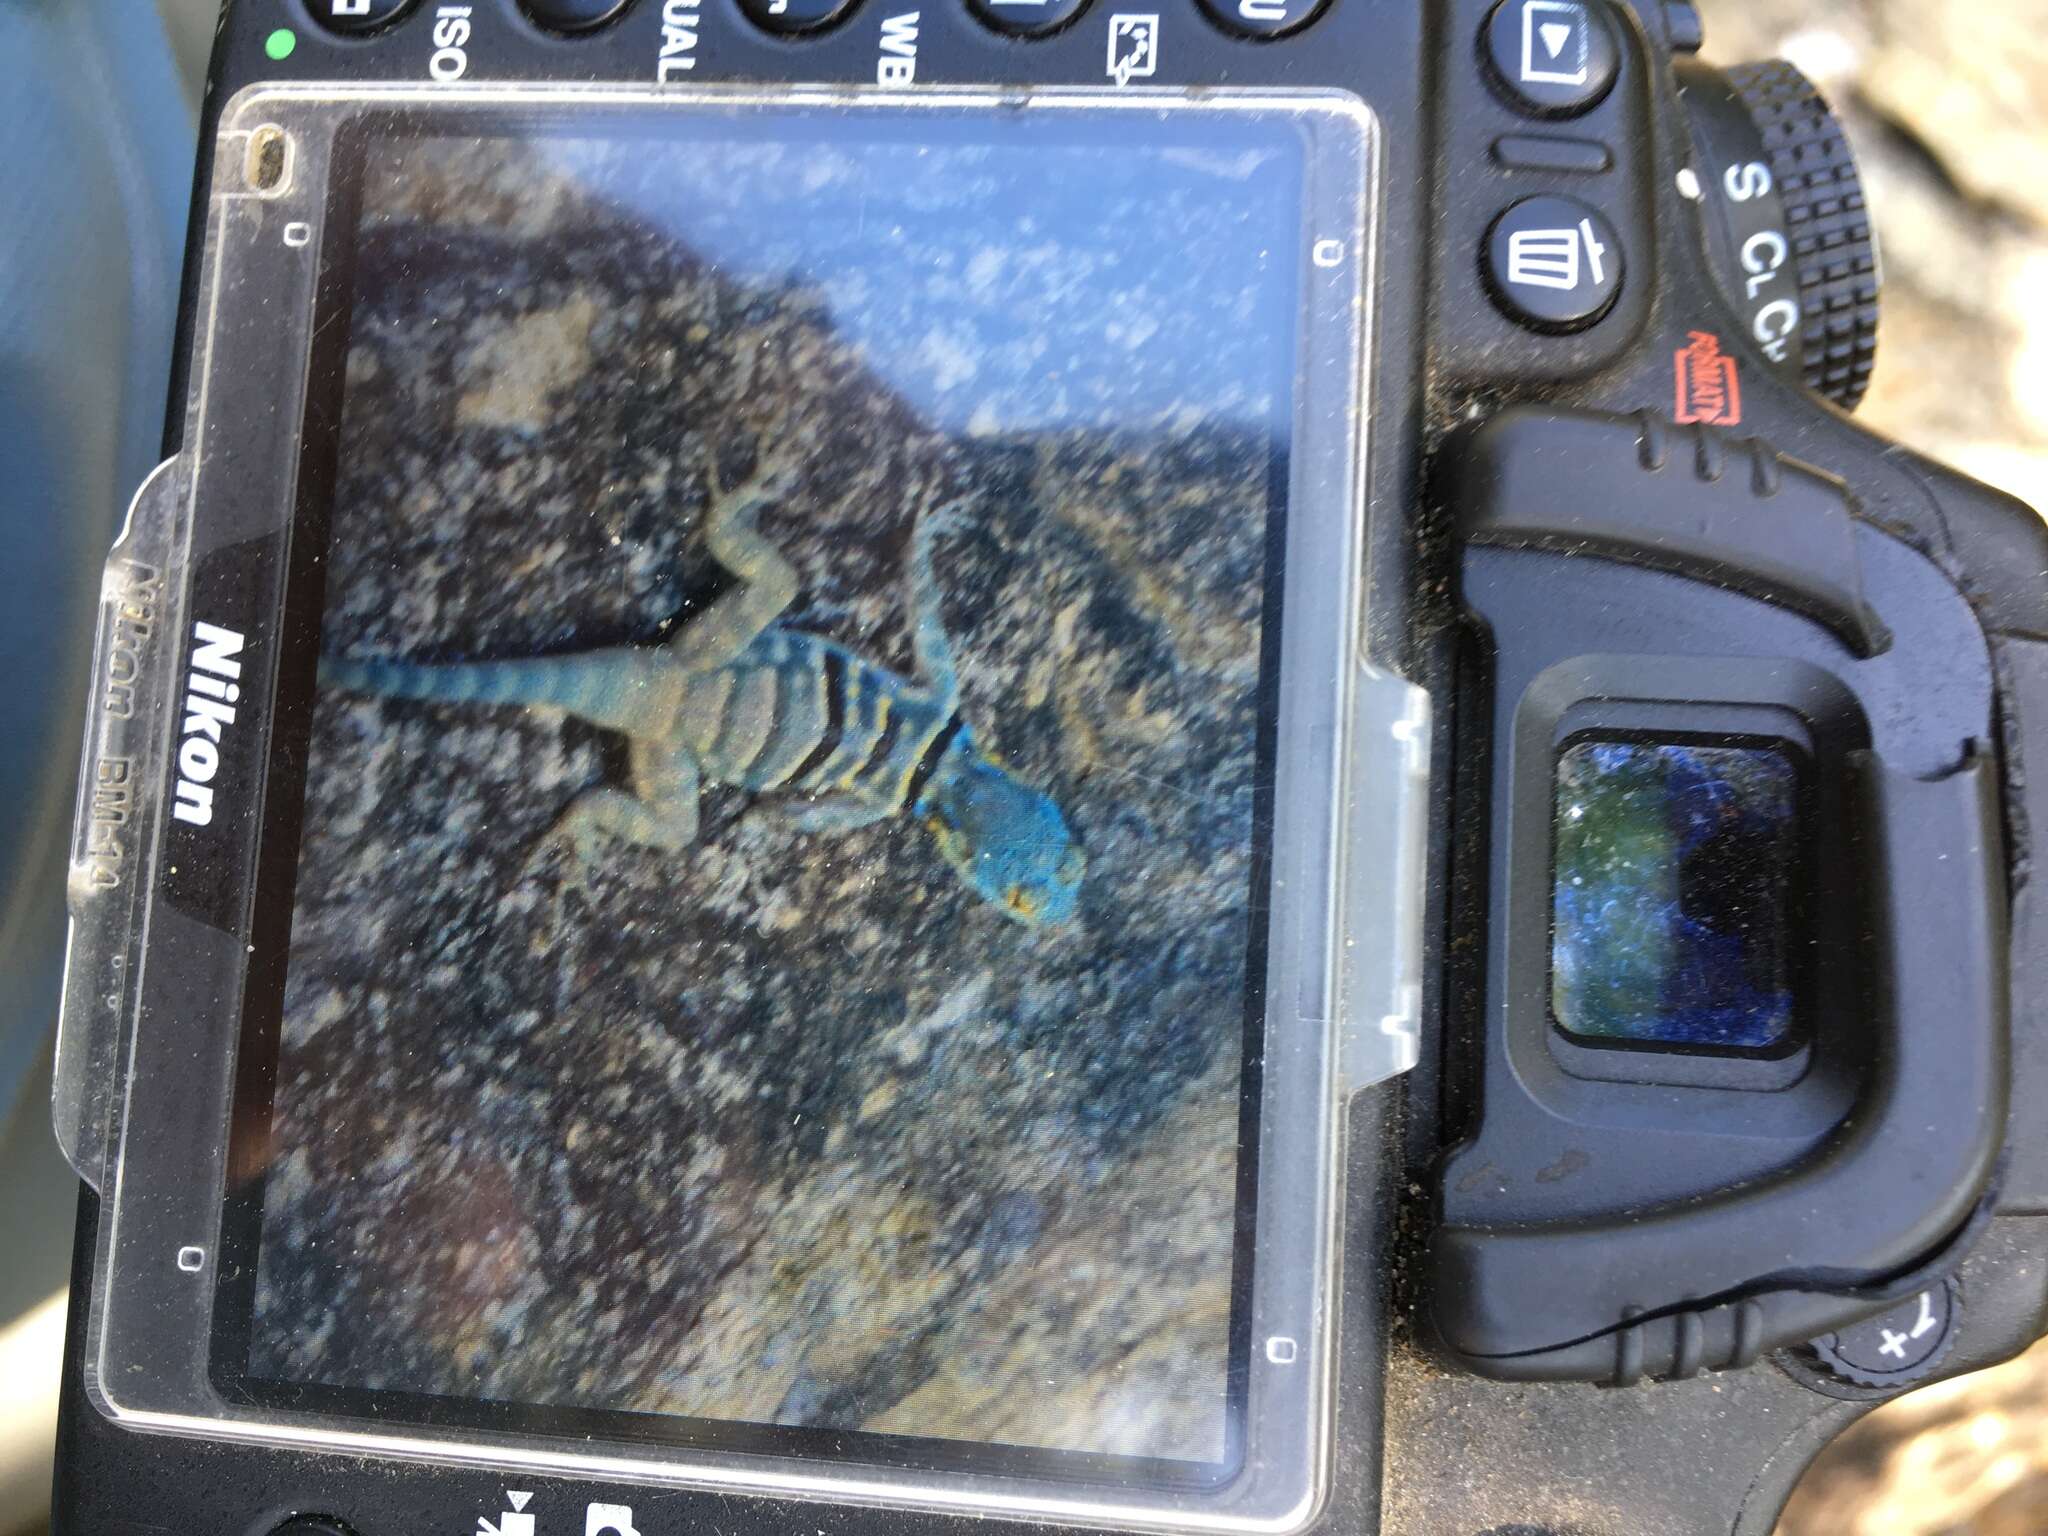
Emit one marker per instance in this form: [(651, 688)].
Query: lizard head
[(1007, 841)]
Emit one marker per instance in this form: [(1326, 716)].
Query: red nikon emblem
[(1707, 387)]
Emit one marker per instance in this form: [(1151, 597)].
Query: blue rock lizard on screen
[(739, 698)]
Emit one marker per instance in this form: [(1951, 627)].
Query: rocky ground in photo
[(791, 1127)]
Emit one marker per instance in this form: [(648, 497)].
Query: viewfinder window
[(1674, 914)]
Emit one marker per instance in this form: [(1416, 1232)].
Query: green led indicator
[(279, 44)]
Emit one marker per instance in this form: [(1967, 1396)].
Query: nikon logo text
[(210, 694)]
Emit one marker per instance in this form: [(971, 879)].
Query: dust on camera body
[(1030, 764)]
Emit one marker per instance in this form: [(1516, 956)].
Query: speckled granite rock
[(790, 1127), (1946, 105)]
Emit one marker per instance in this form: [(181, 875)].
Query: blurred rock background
[(1946, 102)]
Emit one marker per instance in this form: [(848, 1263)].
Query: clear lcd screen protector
[(773, 898)]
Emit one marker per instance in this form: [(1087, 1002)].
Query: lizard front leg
[(765, 582), (839, 813), (928, 638)]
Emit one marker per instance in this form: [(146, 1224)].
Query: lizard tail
[(606, 688)]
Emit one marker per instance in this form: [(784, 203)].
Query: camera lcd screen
[(766, 894), (1674, 917)]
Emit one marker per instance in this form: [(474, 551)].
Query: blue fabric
[(96, 132)]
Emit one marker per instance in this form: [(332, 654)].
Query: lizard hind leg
[(661, 814)]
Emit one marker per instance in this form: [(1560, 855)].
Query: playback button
[(1554, 263), (1556, 57)]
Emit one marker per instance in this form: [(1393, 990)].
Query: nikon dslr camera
[(976, 765)]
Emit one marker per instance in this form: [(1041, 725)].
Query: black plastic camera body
[(1727, 1119)]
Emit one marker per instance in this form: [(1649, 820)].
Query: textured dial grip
[(1834, 249)]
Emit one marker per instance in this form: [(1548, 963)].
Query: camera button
[(572, 15), (790, 17), (1026, 18), (1263, 18), (355, 17), (1554, 263), (1542, 152), (1684, 32), (1556, 57)]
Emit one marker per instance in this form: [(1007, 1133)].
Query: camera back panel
[(245, 582), (1625, 610)]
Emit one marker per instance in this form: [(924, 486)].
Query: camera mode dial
[(1787, 230)]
